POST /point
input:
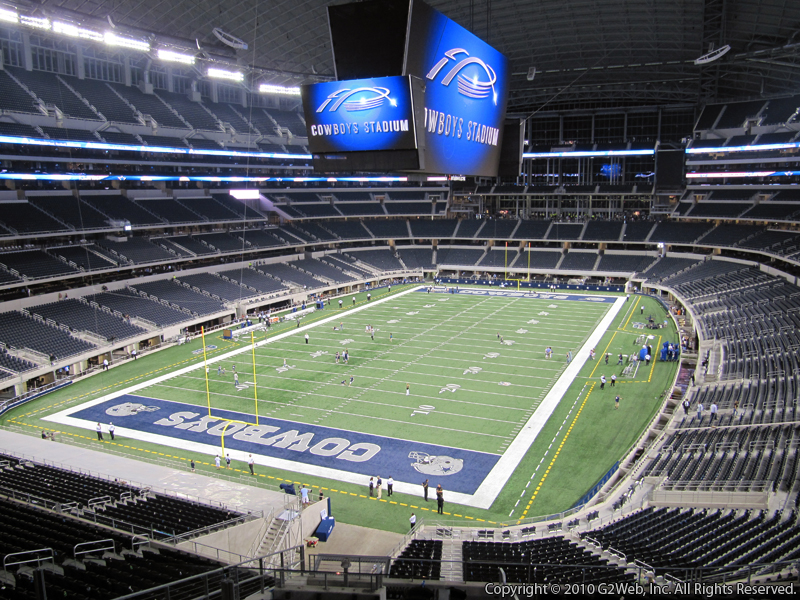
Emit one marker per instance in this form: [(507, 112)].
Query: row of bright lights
[(183, 178), (10, 139), (588, 153), (738, 174), (753, 148), (112, 39)]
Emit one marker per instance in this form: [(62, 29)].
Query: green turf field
[(475, 391)]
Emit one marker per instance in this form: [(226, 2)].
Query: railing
[(34, 393), (251, 575), (262, 531), (411, 535)]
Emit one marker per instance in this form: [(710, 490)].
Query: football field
[(441, 385), (453, 388)]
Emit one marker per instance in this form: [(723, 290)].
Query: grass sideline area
[(582, 439)]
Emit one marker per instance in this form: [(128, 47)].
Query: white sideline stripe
[(497, 478)]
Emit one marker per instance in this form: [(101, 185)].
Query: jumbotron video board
[(450, 90)]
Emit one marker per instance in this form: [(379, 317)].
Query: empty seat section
[(72, 211), (347, 230), (16, 99), (221, 241), (446, 255), (170, 210), (565, 231), (578, 261), (50, 90), (81, 317), (186, 243), (24, 218), (128, 302), (498, 229), (120, 208), (21, 331), (427, 229), (136, 250), (150, 104), (254, 279), (383, 260), (290, 275), (181, 296), (389, 229), (107, 103), (85, 257), (209, 208), (34, 264)]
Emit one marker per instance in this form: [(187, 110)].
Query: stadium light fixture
[(268, 88), (112, 39), (713, 55), (8, 16), (245, 194), (74, 31), (170, 56), (34, 22), (223, 74)]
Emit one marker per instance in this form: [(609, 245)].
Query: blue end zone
[(500, 293), (369, 455)]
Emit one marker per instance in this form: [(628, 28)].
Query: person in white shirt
[(251, 463), (99, 429), (216, 461), (713, 410), (304, 495), (105, 364), (413, 520), (389, 486), (306, 338), (602, 382), (111, 430)]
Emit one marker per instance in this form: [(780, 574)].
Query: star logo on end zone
[(363, 98), (471, 83)]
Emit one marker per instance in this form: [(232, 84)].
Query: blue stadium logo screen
[(359, 115), (465, 97)]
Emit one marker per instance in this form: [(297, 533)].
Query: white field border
[(486, 493)]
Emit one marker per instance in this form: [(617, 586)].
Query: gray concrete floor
[(159, 478), (354, 539), (346, 539)]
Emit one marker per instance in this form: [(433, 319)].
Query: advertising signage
[(466, 91), (360, 115)]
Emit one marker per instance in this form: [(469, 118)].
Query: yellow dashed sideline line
[(603, 355), (633, 310), (558, 451)]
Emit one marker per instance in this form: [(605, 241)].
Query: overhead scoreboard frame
[(458, 86)]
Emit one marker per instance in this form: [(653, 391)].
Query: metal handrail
[(93, 546), (37, 559)]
